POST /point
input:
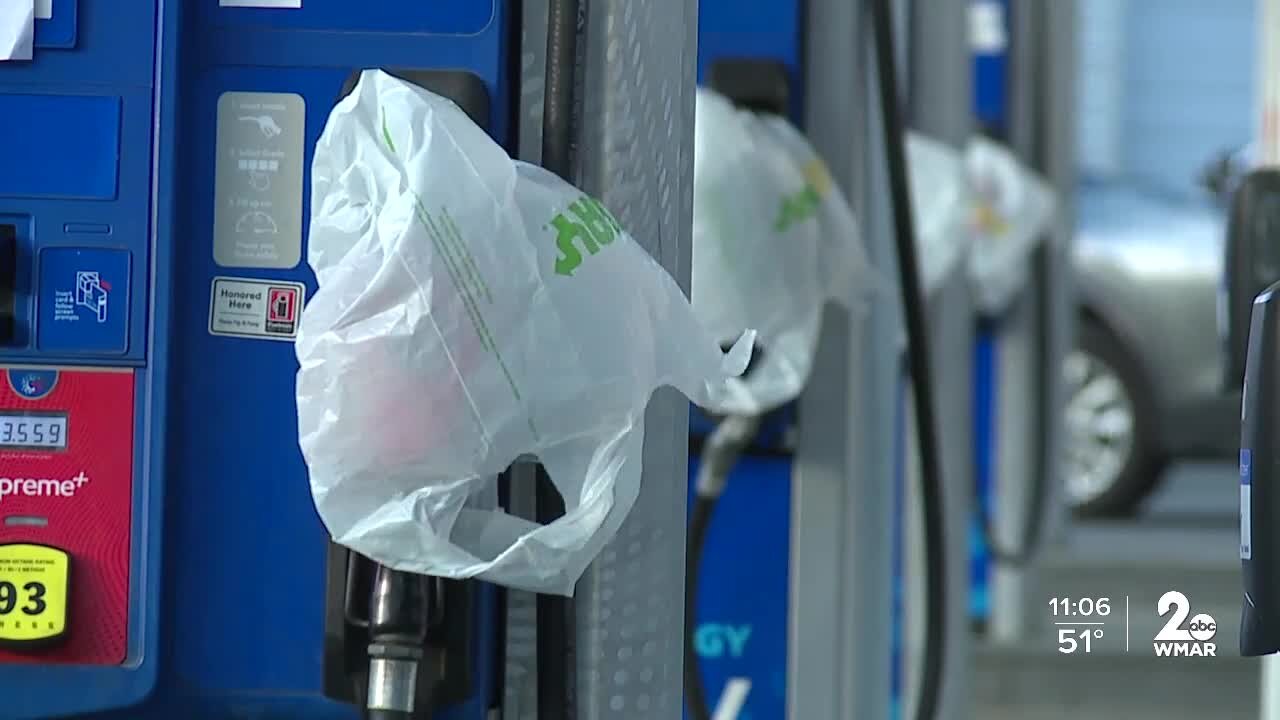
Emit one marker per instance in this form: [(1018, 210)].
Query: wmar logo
[(1175, 641), (32, 384)]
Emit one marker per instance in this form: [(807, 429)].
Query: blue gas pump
[(989, 32), (258, 85), (739, 635), (86, 213), (162, 550), (1014, 357), (740, 563)]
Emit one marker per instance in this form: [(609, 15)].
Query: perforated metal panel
[(636, 154)]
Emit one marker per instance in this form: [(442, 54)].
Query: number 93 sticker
[(34, 580)]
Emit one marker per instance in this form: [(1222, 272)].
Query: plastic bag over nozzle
[(472, 309), (1012, 211), (773, 241)]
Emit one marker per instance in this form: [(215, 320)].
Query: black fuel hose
[(918, 361), (558, 99), (695, 693), (1032, 524), (555, 644), (723, 447)]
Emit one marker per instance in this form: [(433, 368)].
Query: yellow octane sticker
[(34, 580)]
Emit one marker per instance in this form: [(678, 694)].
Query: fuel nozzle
[(724, 446), (1260, 480), (403, 607)]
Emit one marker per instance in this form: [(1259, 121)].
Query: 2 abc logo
[(1174, 640)]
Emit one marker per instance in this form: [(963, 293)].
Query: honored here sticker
[(258, 309), (34, 581)]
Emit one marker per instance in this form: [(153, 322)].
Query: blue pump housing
[(991, 70), (986, 388), (990, 105), (120, 104), (80, 170), (754, 29), (248, 548), (743, 590)]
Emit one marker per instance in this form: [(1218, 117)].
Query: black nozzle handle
[(400, 612), (400, 606)]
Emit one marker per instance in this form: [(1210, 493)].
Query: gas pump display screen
[(36, 431)]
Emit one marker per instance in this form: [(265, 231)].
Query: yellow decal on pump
[(34, 581), (816, 174)]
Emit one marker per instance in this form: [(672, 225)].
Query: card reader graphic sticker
[(471, 309), (91, 294)]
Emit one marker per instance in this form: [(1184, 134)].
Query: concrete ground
[(1186, 539)]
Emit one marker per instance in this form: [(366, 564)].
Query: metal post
[(1270, 707), (1268, 149), (1043, 133), (940, 106), (1020, 376), (1021, 451), (1268, 85), (842, 491), (636, 154)]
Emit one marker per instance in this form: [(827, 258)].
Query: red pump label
[(66, 489)]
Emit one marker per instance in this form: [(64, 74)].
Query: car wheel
[(1111, 458)]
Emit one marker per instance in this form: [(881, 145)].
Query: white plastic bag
[(940, 205), (1012, 211), (473, 309), (773, 241), (845, 273)]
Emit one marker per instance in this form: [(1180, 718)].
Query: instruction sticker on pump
[(34, 585)]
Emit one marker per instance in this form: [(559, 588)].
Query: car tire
[(1115, 372)]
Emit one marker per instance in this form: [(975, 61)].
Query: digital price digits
[(38, 431)]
